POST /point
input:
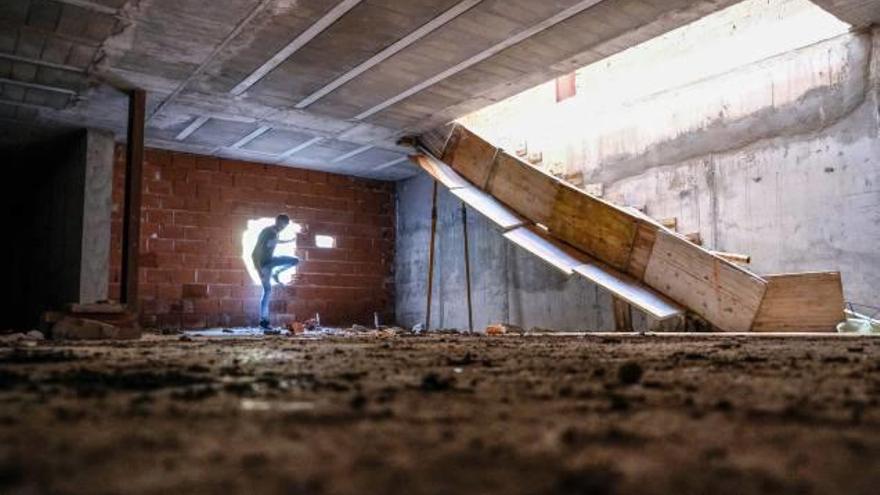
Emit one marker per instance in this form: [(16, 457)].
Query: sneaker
[(264, 324)]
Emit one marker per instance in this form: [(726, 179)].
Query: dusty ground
[(442, 414)]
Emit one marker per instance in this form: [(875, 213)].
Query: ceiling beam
[(41, 63), (296, 149), (196, 124), (390, 163), (54, 89), (300, 41), (352, 153), (483, 55), (93, 6), (250, 137), (217, 49), (399, 45)]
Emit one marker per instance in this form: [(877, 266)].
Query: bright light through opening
[(249, 240), (325, 241)]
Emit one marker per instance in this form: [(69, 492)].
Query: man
[(270, 266)]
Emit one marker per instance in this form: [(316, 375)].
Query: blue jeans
[(273, 266)]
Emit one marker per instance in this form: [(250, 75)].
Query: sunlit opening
[(249, 241), (620, 91), (325, 241)]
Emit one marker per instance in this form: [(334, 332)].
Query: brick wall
[(195, 209)]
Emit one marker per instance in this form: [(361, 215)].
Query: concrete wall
[(757, 127), (778, 158), (56, 215), (508, 284)]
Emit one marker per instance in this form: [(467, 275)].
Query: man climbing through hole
[(270, 266)]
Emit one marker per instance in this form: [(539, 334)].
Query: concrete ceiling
[(330, 85)]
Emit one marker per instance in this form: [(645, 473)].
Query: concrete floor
[(442, 414)]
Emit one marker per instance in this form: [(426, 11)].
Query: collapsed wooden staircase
[(635, 258)]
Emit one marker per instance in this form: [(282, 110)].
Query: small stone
[(629, 373)]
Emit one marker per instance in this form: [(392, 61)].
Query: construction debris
[(73, 328)]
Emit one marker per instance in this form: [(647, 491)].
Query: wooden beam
[(467, 266), (739, 259), (431, 257), (622, 315), (131, 226)]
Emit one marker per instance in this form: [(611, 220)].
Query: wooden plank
[(590, 224), (131, 218), (801, 302), (630, 290), (593, 226), (435, 140), (641, 251), (489, 207), (727, 296), (440, 171), (523, 188), (469, 155), (556, 255), (622, 315)]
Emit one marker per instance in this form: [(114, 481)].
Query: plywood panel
[(469, 155), (646, 234), (489, 207), (523, 188), (725, 295), (801, 302), (440, 171), (594, 226)]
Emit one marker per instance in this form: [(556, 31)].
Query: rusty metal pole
[(467, 266), (131, 219), (431, 257)]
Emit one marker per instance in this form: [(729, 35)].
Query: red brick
[(195, 291), (195, 209)]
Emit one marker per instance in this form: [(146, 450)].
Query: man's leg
[(280, 264), (265, 273)]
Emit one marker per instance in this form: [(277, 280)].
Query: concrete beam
[(390, 163), (378, 58), (250, 137), (300, 41), (352, 153), (483, 55), (296, 149), (42, 63), (93, 6), (54, 89), (217, 50), (199, 122)]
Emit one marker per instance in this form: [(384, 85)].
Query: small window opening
[(325, 241)]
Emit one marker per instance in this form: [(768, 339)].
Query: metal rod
[(467, 266), (431, 257), (134, 165)]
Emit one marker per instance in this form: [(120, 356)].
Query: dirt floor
[(442, 414)]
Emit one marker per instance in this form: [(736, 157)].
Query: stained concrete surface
[(442, 414), (508, 284)]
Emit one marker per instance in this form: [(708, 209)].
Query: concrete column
[(97, 205)]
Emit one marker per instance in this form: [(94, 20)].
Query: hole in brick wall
[(325, 241), (249, 241)]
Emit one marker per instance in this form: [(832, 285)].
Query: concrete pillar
[(97, 205)]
